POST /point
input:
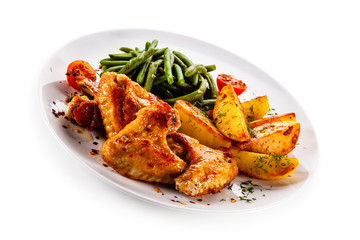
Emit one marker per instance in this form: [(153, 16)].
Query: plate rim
[(146, 198)]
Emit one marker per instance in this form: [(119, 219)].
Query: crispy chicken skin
[(209, 170), (119, 99), (142, 141), (84, 112), (87, 86), (140, 150)]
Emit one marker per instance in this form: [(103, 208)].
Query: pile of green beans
[(168, 74)]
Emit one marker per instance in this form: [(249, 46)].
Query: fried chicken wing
[(119, 99), (87, 86), (209, 170), (84, 112), (140, 150), (142, 141)]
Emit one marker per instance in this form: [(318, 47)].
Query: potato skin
[(277, 138), (194, 123), (277, 118), (229, 117), (256, 108), (264, 166)]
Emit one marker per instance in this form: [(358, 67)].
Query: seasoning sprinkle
[(247, 188), (94, 152), (157, 190)]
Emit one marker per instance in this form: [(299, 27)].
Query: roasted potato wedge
[(229, 117), (278, 118), (277, 138), (264, 166), (256, 108), (194, 123)]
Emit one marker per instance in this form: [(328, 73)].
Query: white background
[(311, 47)]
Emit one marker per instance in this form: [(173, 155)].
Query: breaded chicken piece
[(209, 170), (119, 99), (140, 150)]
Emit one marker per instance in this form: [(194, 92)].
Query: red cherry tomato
[(78, 70), (224, 79)]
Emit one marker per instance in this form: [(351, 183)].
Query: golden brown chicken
[(87, 86), (84, 112), (119, 99), (142, 142), (209, 170), (140, 150), (116, 97)]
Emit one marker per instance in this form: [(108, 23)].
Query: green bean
[(147, 45), (210, 68), (126, 49), (105, 59), (172, 59), (212, 85), (132, 74), (208, 102), (183, 58), (193, 96), (161, 71), (195, 68), (185, 87), (141, 75), (151, 74), (179, 74), (121, 56), (180, 63), (137, 61), (195, 79), (136, 52), (159, 80), (171, 74), (174, 89), (110, 62), (168, 66), (159, 53), (114, 68), (161, 90), (154, 43)]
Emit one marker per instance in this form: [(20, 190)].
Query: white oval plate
[(80, 143)]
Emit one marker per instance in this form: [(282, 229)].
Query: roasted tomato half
[(224, 79), (79, 69)]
